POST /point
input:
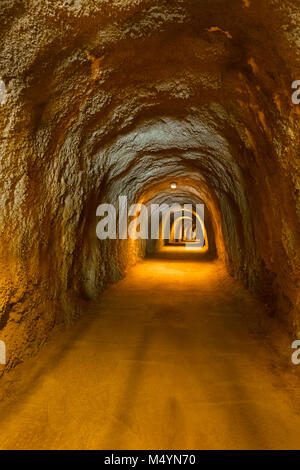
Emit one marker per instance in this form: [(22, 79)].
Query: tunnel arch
[(92, 111)]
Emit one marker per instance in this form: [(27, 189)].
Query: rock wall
[(108, 97)]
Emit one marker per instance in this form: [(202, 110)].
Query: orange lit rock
[(121, 97)]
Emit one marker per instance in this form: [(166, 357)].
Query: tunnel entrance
[(184, 230), (186, 224)]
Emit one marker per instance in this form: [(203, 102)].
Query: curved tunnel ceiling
[(123, 96)]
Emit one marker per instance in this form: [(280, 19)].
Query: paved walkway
[(172, 358)]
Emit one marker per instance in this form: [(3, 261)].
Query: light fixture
[(173, 185)]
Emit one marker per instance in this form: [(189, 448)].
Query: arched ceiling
[(118, 97)]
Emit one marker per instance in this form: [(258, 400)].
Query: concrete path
[(174, 357)]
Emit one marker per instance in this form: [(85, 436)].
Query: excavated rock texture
[(107, 97)]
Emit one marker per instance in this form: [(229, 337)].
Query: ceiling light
[(173, 185)]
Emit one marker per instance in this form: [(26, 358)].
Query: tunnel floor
[(173, 358)]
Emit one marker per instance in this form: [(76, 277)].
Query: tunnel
[(140, 342)]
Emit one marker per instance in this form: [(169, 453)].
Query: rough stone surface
[(119, 97)]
